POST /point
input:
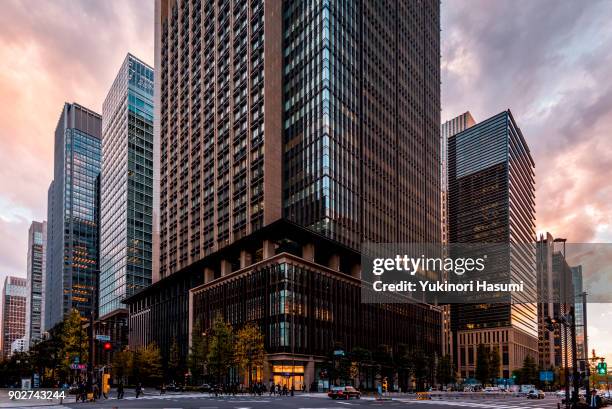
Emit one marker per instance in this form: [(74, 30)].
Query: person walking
[(138, 389), (120, 390)]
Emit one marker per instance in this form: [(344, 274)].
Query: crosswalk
[(507, 403)]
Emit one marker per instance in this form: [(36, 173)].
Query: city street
[(307, 401)]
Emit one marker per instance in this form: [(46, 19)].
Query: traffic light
[(602, 368), (107, 346)]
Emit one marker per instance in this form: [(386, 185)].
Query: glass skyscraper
[(491, 199), (72, 231), (126, 225), (36, 267)]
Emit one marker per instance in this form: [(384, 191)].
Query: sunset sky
[(549, 61)]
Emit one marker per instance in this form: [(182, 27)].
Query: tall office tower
[(491, 199), (321, 117), (36, 267), (449, 128), (14, 296), (72, 230), (580, 310), (126, 199), (555, 297), (326, 114)]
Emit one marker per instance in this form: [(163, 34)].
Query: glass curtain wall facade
[(361, 119), (126, 226), (36, 267), (491, 199), (14, 297), (72, 243)]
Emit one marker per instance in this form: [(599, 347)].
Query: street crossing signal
[(107, 346), (602, 368)]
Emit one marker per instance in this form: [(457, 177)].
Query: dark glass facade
[(305, 309), (72, 241), (491, 199), (126, 186), (361, 119)]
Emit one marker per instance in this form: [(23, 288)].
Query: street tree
[(494, 363), (123, 364), (482, 364), (174, 361), (148, 365), (250, 352), (74, 340), (445, 371), (420, 367), (221, 350), (198, 352), (529, 372), (360, 356)]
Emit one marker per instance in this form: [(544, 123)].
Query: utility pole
[(585, 343)]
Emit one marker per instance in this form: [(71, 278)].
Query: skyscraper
[(491, 199), (449, 128), (37, 238), (555, 297), (14, 295), (290, 127), (245, 139), (72, 231), (126, 191)]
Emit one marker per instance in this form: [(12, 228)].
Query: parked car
[(204, 387), (343, 392), (174, 387), (535, 394)]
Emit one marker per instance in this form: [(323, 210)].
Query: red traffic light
[(107, 346)]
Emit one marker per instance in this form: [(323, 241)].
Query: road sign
[(547, 376), (78, 366), (103, 338)]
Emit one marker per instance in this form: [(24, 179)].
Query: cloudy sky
[(549, 61)]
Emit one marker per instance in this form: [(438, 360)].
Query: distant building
[(555, 296), (491, 199), (582, 349), (449, 128), (37, 241), (19, 345), (72, 232), (14, 296)]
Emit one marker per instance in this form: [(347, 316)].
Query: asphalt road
[(308, 401)]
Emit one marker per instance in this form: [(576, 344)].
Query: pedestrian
[(162, 389), (594, 400), (138, 389), (120, 390), (271, 384)]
